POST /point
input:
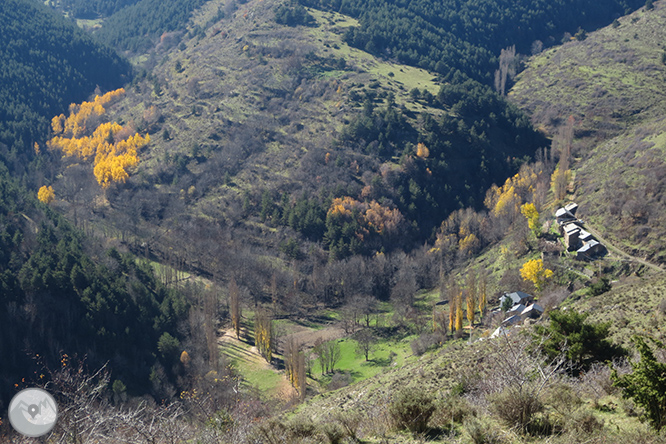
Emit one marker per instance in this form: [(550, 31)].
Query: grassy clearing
[(395, 77), (380, 359), (255, 371)]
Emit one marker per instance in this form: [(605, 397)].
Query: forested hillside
[(139, 26), (450, 36), (611, 84), (295, 198), (91, 9), (46, 63), (62, 293)]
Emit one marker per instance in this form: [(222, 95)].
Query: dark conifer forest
[(46, 63)]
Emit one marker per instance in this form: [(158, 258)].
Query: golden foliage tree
[(471, 299), (372, 216), (452, 315), (469, 244), (422, 151), (46, 194), (185, 358), (459, 312), (453, 292), (82, 135), (535, 272), (530, 212), (483, 293)]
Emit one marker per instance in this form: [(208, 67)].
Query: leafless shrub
[(339, 380), (451, 409), (515, 377), (350, 423), (596, 382), (516, 407)]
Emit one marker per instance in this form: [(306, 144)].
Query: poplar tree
[(234, 307)]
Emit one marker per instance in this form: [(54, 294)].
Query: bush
[(516, 407), (334, 432), (480, 432), (350, 422), (451, 409), (411, 409), (602, 286), (583, 421), (426, 342), (302, 427), (339, 380)]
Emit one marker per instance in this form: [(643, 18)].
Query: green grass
[(360, 369), (252, 368)]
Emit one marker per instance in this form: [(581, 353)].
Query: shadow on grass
[(378, 362)]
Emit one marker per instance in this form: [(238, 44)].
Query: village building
[(533, 311), (589, 250), (575, 237), (517, 297)]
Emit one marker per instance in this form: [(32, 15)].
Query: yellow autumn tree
[(185, 358), (469, 244), (530, 212), (459, 312), (46, 194), (483, 296), (471, 299), (535, 272), (452, 314), (422, 151), (82, 135), (560, 180)]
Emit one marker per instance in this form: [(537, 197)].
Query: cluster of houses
[(519, 307), (576, 238)]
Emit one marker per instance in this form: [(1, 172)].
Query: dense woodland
[(92, 9), (450, 36), (46, 64), (62, 294), (139, 26)]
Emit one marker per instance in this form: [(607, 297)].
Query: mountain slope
[(612, 84), (64, 298), (46, 64), (260, 126), (608, 82), (465, 36)]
